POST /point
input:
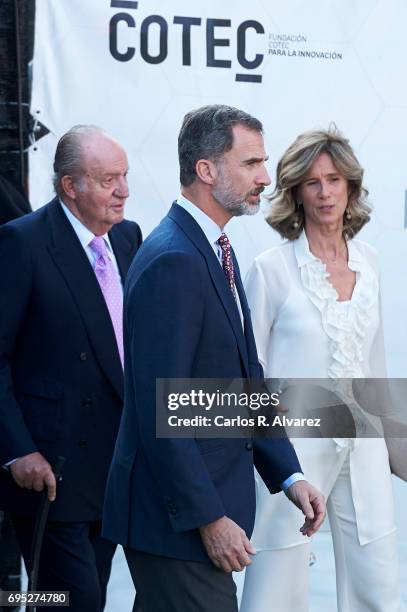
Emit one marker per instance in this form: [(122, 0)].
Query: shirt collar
[(304, 255), (84, 234), (354, 254), (302, 251), (211, 230)]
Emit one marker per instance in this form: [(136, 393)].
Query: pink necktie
[(227, 262), (110, 286)]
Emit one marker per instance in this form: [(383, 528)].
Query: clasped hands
[(229, 547)]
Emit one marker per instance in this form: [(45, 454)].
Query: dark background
[(16, 48)]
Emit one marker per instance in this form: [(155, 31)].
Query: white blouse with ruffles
[(303, 331)]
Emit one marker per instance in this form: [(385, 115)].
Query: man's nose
[(263, 178), (122, 188)]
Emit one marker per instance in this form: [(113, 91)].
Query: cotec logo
[(185, 25)]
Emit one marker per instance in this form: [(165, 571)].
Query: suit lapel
[(191, 228), (123, 250), (74, 265), (248, 328)]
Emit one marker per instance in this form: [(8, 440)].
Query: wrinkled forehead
[(101, 154), (322, 165), (244, 136), (247, 144)]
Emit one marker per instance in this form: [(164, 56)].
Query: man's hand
[(227, 545), (34, 472), (312, 504)]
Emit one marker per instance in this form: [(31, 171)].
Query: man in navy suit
[(61, 374), (184, 508)]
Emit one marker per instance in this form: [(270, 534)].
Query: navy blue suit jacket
[(181, 321), (61, 381)]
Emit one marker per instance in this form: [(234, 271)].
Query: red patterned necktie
[(227, 262)]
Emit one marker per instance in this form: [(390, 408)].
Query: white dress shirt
[(212, 232), (85, 237)]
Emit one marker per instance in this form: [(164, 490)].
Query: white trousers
[(367, 577)]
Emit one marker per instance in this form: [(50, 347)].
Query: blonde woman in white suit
[(315, 306)]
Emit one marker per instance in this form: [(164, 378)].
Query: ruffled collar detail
[(345, 328)]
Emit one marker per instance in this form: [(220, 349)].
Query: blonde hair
[(287, 215)]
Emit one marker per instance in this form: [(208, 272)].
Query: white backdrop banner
[(135, 69)]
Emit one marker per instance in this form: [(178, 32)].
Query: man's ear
[(68, 186), (206, 171)]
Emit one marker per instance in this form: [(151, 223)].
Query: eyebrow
[(253, 160), (104, 174), (313, 178)]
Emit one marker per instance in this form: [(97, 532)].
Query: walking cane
[(39, 529)]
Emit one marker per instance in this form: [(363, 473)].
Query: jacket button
[(173, 510), (87, 402), (83, 356), (249, 446)]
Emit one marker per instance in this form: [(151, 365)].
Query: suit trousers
[(74, 558), (367, 576), (174, 585)]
